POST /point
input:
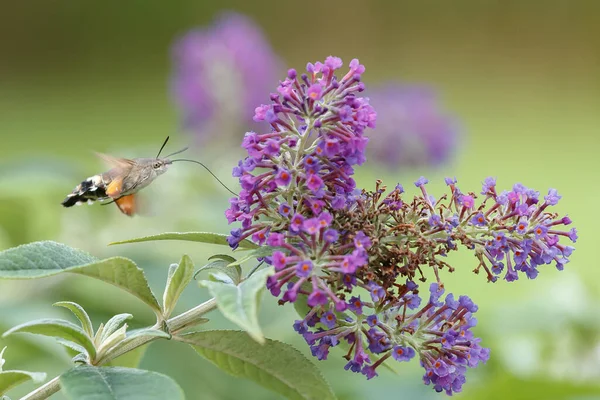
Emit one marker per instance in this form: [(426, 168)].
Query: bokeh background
[(522, 77)]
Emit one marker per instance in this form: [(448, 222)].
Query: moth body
[(126, 177), (121, 183), (90, 190)]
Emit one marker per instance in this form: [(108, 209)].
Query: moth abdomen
[(89, 190)]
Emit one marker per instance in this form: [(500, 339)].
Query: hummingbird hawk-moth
[(122, 182)]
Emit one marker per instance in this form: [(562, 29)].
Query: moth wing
[(116, 162), (150, 201), (127, 204)]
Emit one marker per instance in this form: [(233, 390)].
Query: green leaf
[(179, 277), (233, 272), (221, 277), (260, 252), (239, 303), (2, 360), (117, 383), (112, 341), (81, 315), (123, 273), (274, 365), (300, 305), (224, 257), (10, 379), (147, 332), (203, 237), (130, 343), (80, 359), (112, 325), (41, 259), (73, 349), (57, 328)]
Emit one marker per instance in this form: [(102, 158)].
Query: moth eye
[(156, 165)]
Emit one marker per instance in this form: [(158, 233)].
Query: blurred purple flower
[(412, 129), (221, 72)]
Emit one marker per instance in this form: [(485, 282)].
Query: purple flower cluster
[(310, 257), (412, 129), (221, 72), (342, 252), (512, 232), (512, 229), (374, 330), (305, 161)]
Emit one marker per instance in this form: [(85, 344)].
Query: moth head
[(160, 165)]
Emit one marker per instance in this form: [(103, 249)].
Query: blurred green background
[(522, 76)]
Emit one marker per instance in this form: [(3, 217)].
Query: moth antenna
[(177, 152), (210, 172), (162, 147)]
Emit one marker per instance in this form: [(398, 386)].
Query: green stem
[(174, 325), (302, 144), (191, 317), (254, 269), (45, 391)]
